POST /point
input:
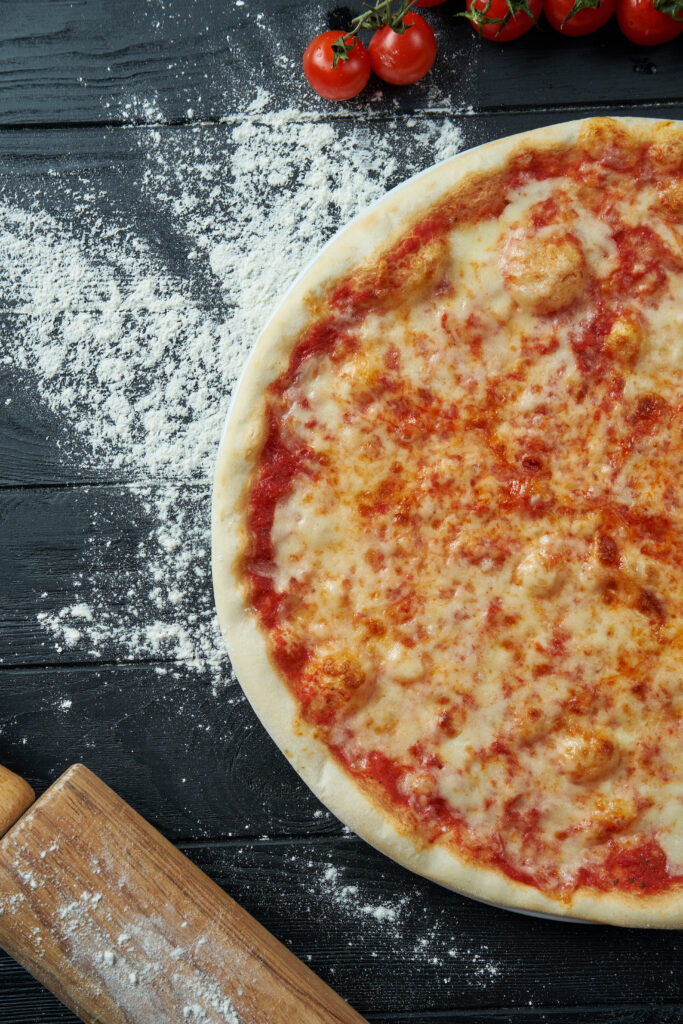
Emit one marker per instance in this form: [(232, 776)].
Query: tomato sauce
[(278, 466), (589, 346), (498, 858), (388, 779), (643, 260), (641, 869), (638, 868)]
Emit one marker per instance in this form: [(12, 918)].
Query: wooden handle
[(126, 930), (16, 796)]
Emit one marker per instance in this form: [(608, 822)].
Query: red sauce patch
[(641, 868), (278, 466), (643, 261), (413, 415)]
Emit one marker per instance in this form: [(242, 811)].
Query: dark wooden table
[(86, 87)]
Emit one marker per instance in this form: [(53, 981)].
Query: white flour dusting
[(130, 971), (115, 345), (349, 897), (135, 353), (436, 942), (129, 326), (132, 343)]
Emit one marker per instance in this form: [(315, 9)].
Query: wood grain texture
[(101, 174), (196, 762), (51, 537), (124, 929), (29, 1003), (16, 796), (93, 61), (433, 953)]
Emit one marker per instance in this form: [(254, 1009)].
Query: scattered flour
[(348, 897), (133, 354), (130, 973), (399, 926)]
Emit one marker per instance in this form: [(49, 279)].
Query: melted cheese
[(479, 538)]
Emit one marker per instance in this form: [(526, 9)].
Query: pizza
[(448, 531)]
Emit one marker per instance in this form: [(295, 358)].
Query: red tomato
[(644, 24), (349, 76), (503, 20), (403, 57), (587, 16)]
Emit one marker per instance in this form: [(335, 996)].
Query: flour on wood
[(398, 927), (135, 354), (130, 966)]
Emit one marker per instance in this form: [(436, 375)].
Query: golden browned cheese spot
[(667, 152), (416, 276), (606, 549), (587, 756), (340, 683), (649, 603), (528, 726), (625, 339), (613, 814), (427, 269), (478, 193), (544, 273), (543, 570), (620, 582), (671, 198), (605, 140), (451, 720)]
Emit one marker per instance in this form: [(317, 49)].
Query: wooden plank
[(95, 574), (437, 950), (406, 950), (121, 154), (36, 446), (24, 1001), (108, 201), (159, 62), (194, 762), (125, 929), (16, 796), (542, 1015)]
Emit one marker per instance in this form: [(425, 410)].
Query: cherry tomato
[(487, 17), (588, 16), (349, 76), (642, 23), (403, 57)]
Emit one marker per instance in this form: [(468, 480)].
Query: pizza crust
[(241, 444)]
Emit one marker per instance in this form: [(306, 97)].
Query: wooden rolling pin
[(124, 929)]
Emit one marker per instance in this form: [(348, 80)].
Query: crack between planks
[(282, 839), (70, 666), (342, 115), (581, 1012), (191, 484)]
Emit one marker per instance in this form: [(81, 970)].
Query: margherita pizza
[(448, 523)]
